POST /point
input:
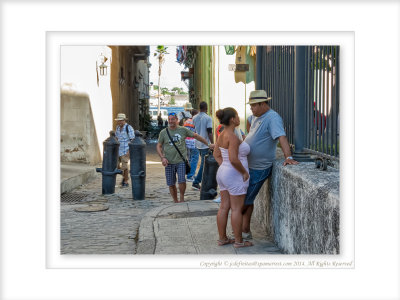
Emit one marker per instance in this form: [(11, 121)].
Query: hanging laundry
[(240, 76), (251, 60), (253, 50), (243, 56), (179, 54), (230, 50)]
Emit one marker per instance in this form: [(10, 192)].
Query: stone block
[(299, 206)]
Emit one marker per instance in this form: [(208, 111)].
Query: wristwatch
[(289, 157)]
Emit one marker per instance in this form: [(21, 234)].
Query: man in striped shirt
[(124, 132)]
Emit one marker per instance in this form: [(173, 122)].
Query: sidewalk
[(190, 228)]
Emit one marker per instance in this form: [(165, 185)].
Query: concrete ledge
[(74, 175), (299, 207), (305, 208)]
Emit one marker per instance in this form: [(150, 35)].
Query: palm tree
[(160, 51)]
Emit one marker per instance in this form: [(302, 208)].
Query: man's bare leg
[(182, 189), (174, 193), (126, 176)]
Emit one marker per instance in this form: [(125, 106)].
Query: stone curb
[(71, 183)]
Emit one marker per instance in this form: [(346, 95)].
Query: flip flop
[(243, 244), (225, 242)]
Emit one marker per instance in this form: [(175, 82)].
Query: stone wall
[(77, 132), (299, 207)]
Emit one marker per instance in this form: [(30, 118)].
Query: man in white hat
[(184, 115), (124, 132), (265, 131)]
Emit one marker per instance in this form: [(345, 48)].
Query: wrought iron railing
[(322, 92), (319, 105)]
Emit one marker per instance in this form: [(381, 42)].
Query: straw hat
[(121, 117), (188, 106), (258, 96)]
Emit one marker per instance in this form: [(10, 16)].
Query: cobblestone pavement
[(115, 230)]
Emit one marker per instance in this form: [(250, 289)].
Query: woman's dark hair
[(225, 115)]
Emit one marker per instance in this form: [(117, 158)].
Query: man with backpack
[(125, 133)]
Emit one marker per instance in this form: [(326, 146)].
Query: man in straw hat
[(186, 114), (265, 131), (124, 132)]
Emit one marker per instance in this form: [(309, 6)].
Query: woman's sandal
[(225, 242), (243, 244)]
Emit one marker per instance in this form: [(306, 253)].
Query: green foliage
[(161, 50), (190, 57), (179, 91), (165, 91), (172, 101), (145, 121)]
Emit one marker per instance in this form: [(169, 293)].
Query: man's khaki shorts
[(123, 162)]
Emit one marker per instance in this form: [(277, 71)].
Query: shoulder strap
[(127, 130), (170, 138)]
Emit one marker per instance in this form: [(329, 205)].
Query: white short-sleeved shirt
[(263, 138), (201, 122), (124, 138)]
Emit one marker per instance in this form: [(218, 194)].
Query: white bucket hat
[(121, 117), (188, 106), (258, 96)]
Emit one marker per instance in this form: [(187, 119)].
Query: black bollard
[(208, 190), (110, 163), (137, 153)]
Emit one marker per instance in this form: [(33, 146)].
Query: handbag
[(184, 159)]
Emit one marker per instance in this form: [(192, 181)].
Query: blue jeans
[(193, 160), (199, 175), (257, 179)]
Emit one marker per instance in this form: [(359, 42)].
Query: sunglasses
[(172, 114)]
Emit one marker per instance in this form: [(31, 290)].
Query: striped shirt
[(123, 138), (190, 141)]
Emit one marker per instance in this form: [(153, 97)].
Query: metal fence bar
[(330, 102), (320, 100), (314, 99), (291, 89), (337, 99), (308, 59), (323, 106)]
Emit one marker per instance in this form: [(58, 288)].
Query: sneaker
[(217, 200), (196, 186), (247, 235), (190, 179)]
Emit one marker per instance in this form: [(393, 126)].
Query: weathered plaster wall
[(78, 133), (129, 82), (299, 207)]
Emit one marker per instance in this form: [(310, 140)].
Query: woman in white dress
[(232, 177)]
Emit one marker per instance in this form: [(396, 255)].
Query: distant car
[(153, 114)]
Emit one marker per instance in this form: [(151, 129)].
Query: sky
[(171, 70)]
